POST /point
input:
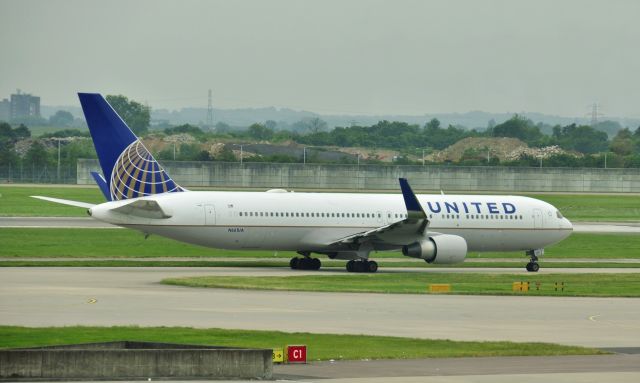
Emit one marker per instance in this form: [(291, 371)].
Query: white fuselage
[(313, 221)]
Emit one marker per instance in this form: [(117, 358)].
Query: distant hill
[(285, 118)]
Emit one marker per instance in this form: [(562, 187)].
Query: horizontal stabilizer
[(143, 208), (102, 184), (65, 201)]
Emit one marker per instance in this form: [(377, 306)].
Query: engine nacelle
[(443, 248)]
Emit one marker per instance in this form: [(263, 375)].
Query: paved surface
[(61, 296), (609, 377), (607, 227), (87, 222), (457, 368)]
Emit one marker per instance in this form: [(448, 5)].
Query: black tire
[(350, 266), (305, 264), (372, 266), (534, 267), (316, 264), (294, 263), (528, 266)]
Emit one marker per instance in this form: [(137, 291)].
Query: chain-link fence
[(43, 174)]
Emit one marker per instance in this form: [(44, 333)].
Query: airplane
[(439, 229)]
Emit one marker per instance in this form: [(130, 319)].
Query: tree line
[(408, 139)]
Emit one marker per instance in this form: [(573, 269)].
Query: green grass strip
[(88, 243), (15, 201), (581, 285), (320, 346)]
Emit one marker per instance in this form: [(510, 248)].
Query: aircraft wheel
[(315, 264), (533, 267), (350, 266), (372, 266), (294, 263)]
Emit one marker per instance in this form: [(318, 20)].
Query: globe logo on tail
[(137, 174)]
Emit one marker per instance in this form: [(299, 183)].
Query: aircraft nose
[(567, 224)]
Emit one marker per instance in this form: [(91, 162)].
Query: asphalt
[(461, 367), (87, 222), (133, 296)]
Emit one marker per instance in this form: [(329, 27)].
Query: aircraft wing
[(397, 233), (65, 201)]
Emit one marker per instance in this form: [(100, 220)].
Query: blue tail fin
[(129, 169)]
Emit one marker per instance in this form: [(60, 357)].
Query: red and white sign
[(297, 354)]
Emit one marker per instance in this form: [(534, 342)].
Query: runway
[(610, 368), (88, 222), (133, 296)]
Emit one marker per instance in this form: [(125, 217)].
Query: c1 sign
[(297, 354)]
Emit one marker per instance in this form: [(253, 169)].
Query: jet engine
[(443, 248)]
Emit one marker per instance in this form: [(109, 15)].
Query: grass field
[(15, 201), (122, 243), (320, 346), (593, 285)]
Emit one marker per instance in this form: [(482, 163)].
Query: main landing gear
[(363, 266), (533, 265), (305, 263)]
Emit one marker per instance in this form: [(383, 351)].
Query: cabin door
[(537, 219)]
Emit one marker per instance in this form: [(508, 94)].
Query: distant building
[(5, 110), (24, 105)]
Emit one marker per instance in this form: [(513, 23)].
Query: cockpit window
[(558, 214)]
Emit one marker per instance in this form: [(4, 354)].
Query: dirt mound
[(504, 148), (500, 147)]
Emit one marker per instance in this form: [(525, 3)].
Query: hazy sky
[(365, 57)]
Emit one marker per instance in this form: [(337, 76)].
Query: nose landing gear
[(533, 265)]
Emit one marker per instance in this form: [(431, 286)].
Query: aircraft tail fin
[(129, 169)]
